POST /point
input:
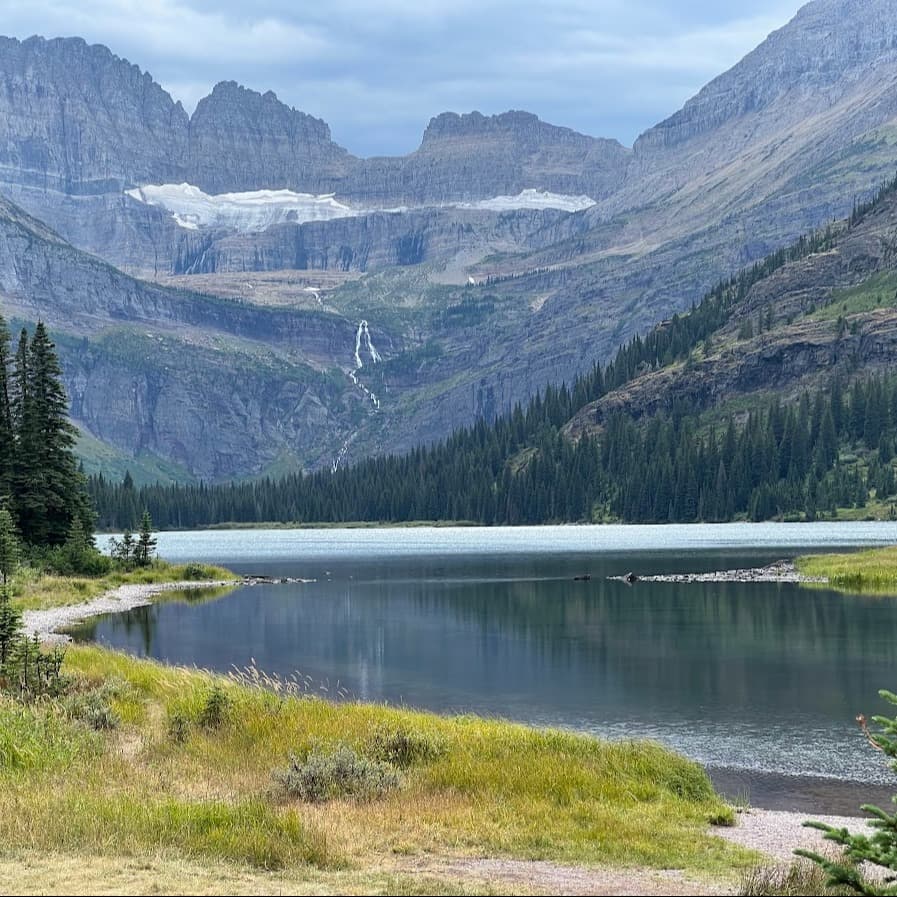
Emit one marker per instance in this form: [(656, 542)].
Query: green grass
[(101, 457), (34, 590), (874, 570), (878, 291), (491, 789)]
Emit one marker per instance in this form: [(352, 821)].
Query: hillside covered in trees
[(776, 396)]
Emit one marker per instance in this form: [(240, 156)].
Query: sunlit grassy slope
[(493, 789)]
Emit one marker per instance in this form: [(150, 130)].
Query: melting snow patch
[(532, 199)]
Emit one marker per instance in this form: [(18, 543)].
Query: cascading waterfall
[(362, 341)]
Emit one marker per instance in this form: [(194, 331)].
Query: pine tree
[(50, 490), (879, 848), (9, 546), (146, 544), (7, 442)]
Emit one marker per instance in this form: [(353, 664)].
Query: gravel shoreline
[(777, 833), (780, 571), (47, 624)]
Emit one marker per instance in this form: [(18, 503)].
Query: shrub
[(340, 773), (93, 709), (197, 572), (215, 709), (404, 747), (178, 726)]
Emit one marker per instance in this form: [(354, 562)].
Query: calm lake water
[(754, 677)]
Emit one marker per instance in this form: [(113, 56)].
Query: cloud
[(378, 71), (169, 29)]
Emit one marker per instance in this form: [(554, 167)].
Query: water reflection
[(753, 675)]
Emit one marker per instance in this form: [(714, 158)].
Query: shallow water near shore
[(761, 681)]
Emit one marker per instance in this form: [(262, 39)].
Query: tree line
[(829, 450), (521, 468)]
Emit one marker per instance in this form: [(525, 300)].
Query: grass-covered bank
[(145, 761), (874, 570), (34, 589)]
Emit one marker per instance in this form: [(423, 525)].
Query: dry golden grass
[(34, 872)]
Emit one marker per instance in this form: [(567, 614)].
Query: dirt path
[(541, 877)]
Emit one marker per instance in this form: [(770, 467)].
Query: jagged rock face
[(213, 413), (242, 140), (465, 157), (371, 242), (815, 59), (76, 119)]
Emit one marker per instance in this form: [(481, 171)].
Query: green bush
[(93, 709), (198, 572), (340, 773), (403, 747), (215, 709), (178, 726)]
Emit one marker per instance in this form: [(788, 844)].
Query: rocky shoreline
[(49, 624), (780, 571)]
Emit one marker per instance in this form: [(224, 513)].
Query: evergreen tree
[(50, 493), (9, 547), (7, 440), (879, 848), (146, 544)]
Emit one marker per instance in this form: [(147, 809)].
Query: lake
[(761, 682)]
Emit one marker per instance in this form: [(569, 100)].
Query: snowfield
[(531, 199), (257, 210), (246, 212)]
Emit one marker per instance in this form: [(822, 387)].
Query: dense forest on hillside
[(831, 449)]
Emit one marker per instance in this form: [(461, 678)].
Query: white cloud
[(171, 29)]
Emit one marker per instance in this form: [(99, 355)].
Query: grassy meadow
[(177, 772), (874, 570)]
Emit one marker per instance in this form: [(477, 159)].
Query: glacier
[(249, 212), (257, 210)]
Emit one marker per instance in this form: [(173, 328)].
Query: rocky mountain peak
[(513, 127), (241, 139), (77, 118), (820, 53)]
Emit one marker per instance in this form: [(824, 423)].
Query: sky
[(376, 72)]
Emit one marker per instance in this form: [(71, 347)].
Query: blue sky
[(378, 71)]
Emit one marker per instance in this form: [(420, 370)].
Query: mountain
[(776, 396), (503, 254), (185, 383)]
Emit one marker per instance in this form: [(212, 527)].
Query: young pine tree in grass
[(879, 848), (146, 544)]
